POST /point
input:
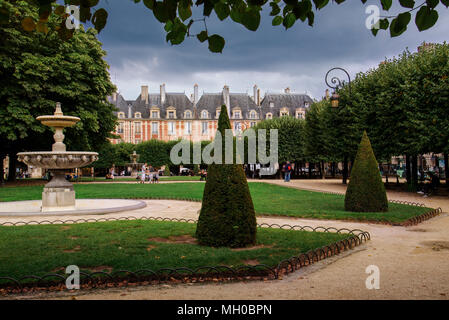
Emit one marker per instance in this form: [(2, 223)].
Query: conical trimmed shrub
[(227, 217), (366, 191)]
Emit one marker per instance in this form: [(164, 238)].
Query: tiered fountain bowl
[(134, 165), (58, 194)]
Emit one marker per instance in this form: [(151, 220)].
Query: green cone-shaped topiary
[(227, 217), (366, 191)]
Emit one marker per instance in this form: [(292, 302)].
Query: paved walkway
[(413, 261)]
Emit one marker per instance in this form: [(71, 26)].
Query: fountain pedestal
[(58, 194)]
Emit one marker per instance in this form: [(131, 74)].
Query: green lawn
[(268, 199), (131, 245)]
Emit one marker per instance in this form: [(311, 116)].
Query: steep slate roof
[(212, 101), (177, 100), (292, 101)]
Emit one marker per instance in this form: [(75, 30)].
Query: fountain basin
[(58, 159)]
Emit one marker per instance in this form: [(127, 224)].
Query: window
[(120, 127), (300, 114), (154, 128), (171, 128), (271, 104), (252, 124), (204, 127), (188, 127), (217, 113), (137, 127), (253, 114), (121, 115), (188, 114), (204, 114), (154, 114), (138, 141), (137, 115), (237, 115), (306, 104), (269, 116), (284, 112), (237, 126), (171, 114)]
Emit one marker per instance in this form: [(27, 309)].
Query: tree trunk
[(333, 169), (310, 170), (2, 170), (345, 170), (12, 169), (446, 169), (414, 161), (408, 171)]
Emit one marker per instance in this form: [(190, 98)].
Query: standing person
[(287, 171), (156, 176), (112, 172), (142, 173), (151, 173)]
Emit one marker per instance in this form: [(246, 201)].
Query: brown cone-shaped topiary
[(366, 191), (227, 217)]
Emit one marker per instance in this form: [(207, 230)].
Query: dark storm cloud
[(271, 57)]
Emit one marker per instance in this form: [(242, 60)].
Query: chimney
[(287, 90), (227, 100), (255, 93), (114, 96), (129, 112), (163, 93), (327, 94), (144, 94), (195, 94), (258, 98)]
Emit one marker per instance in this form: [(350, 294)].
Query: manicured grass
[(268, 199), (130, 245)]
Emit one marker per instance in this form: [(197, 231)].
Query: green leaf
[(399, 24), (202, 36), (383, 24), (386, 4), (432, 3), (184, 11), (99, 19), (277, 21), (222, 10), (407, 3), (251, 19), (289, 20), (319, 4), (149, 3), (216, 43), (426, 18)]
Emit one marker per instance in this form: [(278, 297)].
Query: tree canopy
[(39, 69), (177, 15)]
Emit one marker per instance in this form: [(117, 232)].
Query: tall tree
[(227, 217), (39, 69)]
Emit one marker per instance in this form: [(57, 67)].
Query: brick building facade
[(171, 116)]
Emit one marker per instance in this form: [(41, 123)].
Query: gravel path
[(413, 261)]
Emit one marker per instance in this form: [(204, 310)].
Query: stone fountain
[(134, 165), (58, 194)]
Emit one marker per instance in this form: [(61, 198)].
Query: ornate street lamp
[(336, 83)]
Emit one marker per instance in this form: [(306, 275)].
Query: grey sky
[(271, 57)]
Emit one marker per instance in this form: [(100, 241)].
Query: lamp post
[(336, 83)]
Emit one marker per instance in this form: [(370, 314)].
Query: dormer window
[(269, 115), (137, 115), (271, 104), (284, 112), (171, 114), (217, 113), (121, 115), (253, 114), (188, 114), (306, 104), (154, 112), (204, 114), (237, 115)]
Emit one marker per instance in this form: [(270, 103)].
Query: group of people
[(147, 172)]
